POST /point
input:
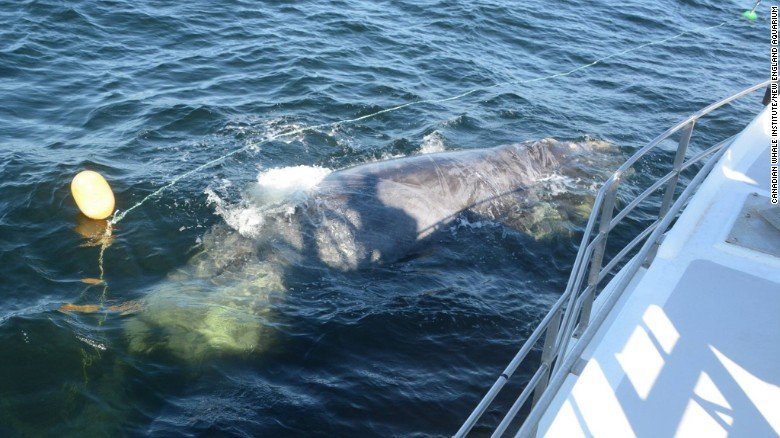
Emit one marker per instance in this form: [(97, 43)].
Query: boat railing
[(570, 325)]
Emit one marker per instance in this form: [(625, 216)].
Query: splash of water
[(432, 143), (277, 191)]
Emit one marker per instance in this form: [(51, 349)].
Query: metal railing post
[(607, 210), (548, 351), (671, 186), (548, 355)]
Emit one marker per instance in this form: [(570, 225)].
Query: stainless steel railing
[(570, 317)]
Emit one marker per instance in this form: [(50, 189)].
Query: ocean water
[(144, 91)]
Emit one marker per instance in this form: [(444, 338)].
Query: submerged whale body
[(365, 215)]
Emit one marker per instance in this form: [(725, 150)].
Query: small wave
[(275, 127), (256, 130)]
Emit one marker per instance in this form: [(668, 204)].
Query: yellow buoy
[(93, 195)]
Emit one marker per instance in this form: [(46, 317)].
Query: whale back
[(377, 212)]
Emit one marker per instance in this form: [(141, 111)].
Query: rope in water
[(120, 215)]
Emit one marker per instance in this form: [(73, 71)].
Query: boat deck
[(693, 346)]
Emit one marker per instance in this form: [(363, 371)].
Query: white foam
[(286, 185), (277, 190), (290, 179), (243, 217), (432, 143), (558, 184)]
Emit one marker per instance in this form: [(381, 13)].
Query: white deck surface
[(693, 347)]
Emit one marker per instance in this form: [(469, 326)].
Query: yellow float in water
[(93, 195)]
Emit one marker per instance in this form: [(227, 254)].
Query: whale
[(355, 218), (377, 213)]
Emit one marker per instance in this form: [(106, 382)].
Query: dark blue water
[(143, 91)]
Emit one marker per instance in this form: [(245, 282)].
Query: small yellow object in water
[(90, 280), (93, 195), (81, 308), (127, 307)]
